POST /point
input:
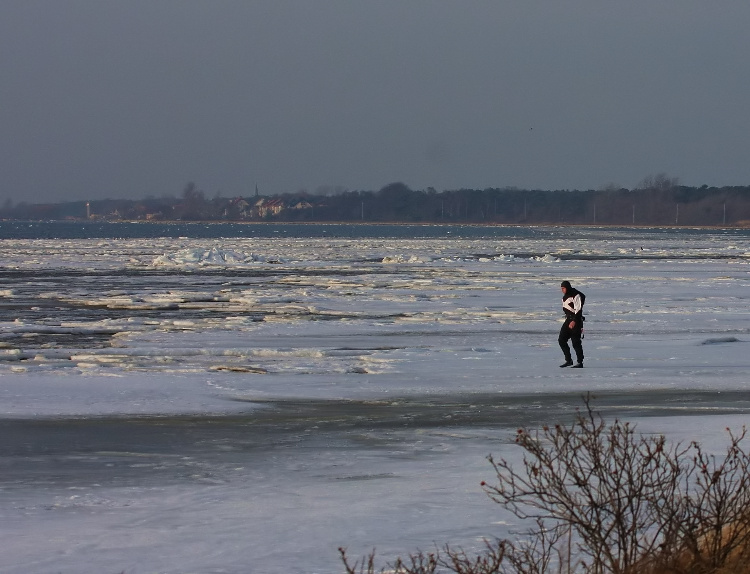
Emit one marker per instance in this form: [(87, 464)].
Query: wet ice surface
[(238, 405)]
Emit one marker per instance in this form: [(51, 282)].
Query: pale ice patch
[(209, 257), (54, 394), (404, 259), (504, 258), (548, 258)]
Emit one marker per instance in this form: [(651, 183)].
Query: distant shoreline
[(739, 225)]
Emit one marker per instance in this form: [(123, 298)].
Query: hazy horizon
[(131, 100)]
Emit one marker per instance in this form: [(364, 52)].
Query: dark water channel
[(137, 451)]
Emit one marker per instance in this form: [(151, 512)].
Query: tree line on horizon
[(657, 200)]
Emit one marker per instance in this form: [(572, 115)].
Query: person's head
[(565, 287)]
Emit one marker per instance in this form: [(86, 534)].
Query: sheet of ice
[(182, 405)]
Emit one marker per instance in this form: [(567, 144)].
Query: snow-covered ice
[(250, 405)]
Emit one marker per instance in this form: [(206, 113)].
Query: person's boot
[(578, 365), (567, 363)]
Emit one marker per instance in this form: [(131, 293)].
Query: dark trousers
[(574, 335)]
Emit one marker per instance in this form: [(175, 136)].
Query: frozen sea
[(249, 398)]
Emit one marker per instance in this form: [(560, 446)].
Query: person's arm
[(577, 307)]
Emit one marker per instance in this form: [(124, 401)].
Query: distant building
[(239, 207), (302, 204), (265, 207)]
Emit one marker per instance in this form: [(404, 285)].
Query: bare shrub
[(603, 499), (448, 559)]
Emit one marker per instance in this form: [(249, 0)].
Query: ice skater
[(572, 328)]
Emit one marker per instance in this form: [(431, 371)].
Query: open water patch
[(720, 340)]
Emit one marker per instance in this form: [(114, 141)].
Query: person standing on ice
[(572, 328)]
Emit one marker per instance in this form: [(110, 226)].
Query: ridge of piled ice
[(206, 257)]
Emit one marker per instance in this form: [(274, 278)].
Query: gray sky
[(130, 98)]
